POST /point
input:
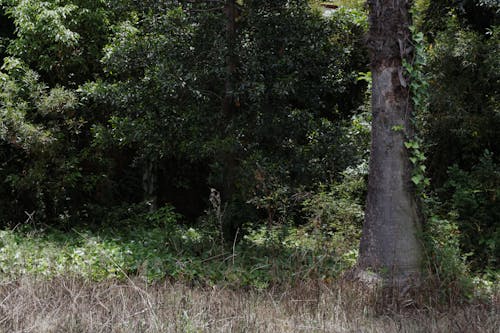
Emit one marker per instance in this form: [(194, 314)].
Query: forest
[(249, 166)]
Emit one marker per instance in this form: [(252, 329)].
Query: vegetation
[(166, 160), (72, 305)]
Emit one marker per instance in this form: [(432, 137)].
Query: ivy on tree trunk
[(390, 242)]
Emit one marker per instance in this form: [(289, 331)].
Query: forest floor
[(74, 305)]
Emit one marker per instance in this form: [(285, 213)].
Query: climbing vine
[(419, 92)]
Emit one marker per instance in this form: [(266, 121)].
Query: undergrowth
[(265, 256), (157, 246)]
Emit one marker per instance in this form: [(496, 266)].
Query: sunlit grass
[(72, 305)]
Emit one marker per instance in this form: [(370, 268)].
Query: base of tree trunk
[(389, 294), (374, 280)]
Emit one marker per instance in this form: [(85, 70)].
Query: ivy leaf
[(417, 179)]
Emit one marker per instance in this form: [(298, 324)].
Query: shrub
[(475, 197)]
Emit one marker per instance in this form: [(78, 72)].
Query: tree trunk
[(149, 184), (229, 106), (229, 102), (390, 244), (230, 10)]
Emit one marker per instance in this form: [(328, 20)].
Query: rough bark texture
[(390, 243)]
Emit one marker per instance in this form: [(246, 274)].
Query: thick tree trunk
[(390, 243)]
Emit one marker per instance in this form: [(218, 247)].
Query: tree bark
[(390, 244)]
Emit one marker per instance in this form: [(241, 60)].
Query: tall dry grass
[(72, 305)]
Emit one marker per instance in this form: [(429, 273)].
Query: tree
[(390, 243), (479, 15), (49, 166), (460, 125), (229, 102)]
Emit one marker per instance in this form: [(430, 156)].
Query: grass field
[(73, 305)]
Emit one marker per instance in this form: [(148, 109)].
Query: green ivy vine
[(419, 92)]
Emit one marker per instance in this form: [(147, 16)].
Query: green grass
[(265, 257)]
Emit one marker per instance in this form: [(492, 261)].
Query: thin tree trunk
[(229, 102), (230, 10), (149, 184), (390, 243)]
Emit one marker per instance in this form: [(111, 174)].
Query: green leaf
[(397, 128), (420, 156), (417, 179)]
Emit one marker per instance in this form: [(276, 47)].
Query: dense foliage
[(462, 120), (110, 105)]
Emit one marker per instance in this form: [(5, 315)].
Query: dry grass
[(72, 305)]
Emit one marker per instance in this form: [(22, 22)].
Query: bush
[(448, 271), (336, 214), (475, 197)]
